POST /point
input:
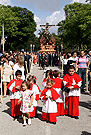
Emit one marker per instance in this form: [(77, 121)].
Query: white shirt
[(50, 105), (16, 67)]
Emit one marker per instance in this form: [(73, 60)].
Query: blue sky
[(50, 11)]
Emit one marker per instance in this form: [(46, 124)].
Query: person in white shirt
[(19, 66), (72, 60)]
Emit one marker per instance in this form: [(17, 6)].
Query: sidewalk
[(65, 125)]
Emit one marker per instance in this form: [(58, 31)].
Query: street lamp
[(33, 47), (3, 30), (3, 35), (61, 47), (57, 48)]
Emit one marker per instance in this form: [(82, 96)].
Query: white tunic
[(16, 67), (59, 91), (50, 105), (36, 92), (75, 91), (15, 95)]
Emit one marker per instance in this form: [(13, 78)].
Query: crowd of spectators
[(10, 62)]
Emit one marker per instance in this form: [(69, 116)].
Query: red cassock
[(14, 97), (49, 108), (60, 103), (72, 98)]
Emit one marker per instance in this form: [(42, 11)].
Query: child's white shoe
[(29, 121), (24, 124)]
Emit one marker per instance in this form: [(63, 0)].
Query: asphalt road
[(65, 125)]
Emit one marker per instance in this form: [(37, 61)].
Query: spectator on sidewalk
[(6, 74), (19, 66), (82, 62)]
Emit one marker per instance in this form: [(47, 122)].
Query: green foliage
[(37, 44), (76, 28), (19, 27)]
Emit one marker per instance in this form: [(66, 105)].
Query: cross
[(47, 26)]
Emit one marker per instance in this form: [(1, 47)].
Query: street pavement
[(65, 125)]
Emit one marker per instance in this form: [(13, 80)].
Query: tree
[(76, 28), (19, 26), (10, 21), (26, 27)]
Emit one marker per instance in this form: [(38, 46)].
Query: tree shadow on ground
[(39, 114), (20, 120), (86, 93), (85, 104), (85, 133), (8, 111), (39, 109)]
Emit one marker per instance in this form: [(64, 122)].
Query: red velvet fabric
[(15, 108), (60, 109), (51, 117), (32, 114), (72, 106)]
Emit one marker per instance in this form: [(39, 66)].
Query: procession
[(45, 68)]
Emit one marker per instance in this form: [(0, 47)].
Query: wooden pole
[(29, 65), (87, 79), (1, 86), (11, 77), (62, 69), (87, 76), (90, 84), (32, 63), (26, 68)]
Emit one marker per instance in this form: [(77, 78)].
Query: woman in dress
[(6, 74)]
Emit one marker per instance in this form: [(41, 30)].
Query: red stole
[(55, 95), (69, 79)]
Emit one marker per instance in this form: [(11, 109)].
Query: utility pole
[(3, 31), (3, 34)]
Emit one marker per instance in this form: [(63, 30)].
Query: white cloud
[(6, 2), (44, 5), (54, 19), (80, 1), (37, 19)]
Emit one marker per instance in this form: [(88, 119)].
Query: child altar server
[(35, 90), (14, 88), (57, 86), (48, 75), (49, 96), (73, 82)]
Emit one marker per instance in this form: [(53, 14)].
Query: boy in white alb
[(73, 82), (14, 88)]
